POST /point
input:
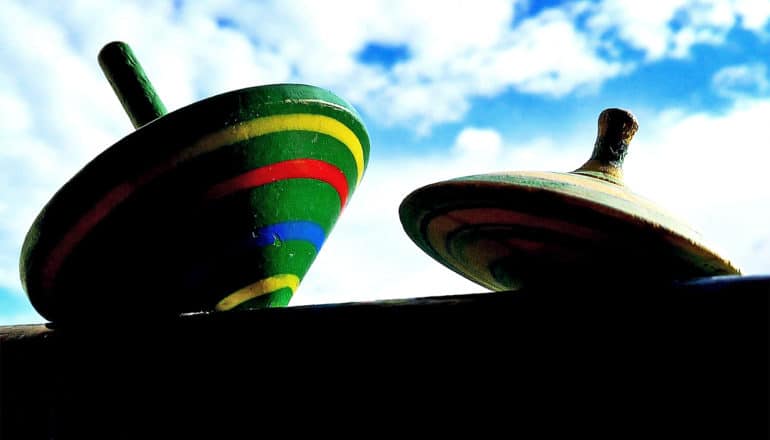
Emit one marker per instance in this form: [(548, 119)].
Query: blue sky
[(446, 89)]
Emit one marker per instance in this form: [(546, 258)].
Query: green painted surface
[(279, 298), (286, 200), (257, 152), (169, 205), (231, 272), (130, 83)]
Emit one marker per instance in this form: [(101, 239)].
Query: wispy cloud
[(741, 81), (456, 51), (671, 28)]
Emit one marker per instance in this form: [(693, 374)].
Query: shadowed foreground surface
[(677, 360)]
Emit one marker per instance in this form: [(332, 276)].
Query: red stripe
[(290, 169)]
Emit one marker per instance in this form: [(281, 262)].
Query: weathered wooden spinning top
[(517, 229), (220, 205)]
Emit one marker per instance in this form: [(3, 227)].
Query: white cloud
[(743, 80), (463, 50), (754, 14), (671, 28), (543, 55), (711, 170), (458, 50), (475, 142), (642, 25)]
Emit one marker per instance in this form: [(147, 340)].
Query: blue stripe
[(311, 232), (298, 230)]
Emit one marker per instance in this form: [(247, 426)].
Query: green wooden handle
[(129, 82)]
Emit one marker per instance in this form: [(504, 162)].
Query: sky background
[(446, 89)]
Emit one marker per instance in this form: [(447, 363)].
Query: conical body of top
[(220, 205), (511, 230)]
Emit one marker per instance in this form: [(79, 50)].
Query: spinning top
[(220, 205), (510, 230)]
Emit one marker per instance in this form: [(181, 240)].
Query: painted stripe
[(261, 287), (290, 169), (479, 248), (227, 136), (437, 230), (474, 262), (439, 227), (598, 192), (501, 217), (287, 231), (279, 123)]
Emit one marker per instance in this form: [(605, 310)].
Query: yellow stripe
[(277, 123), (261, 287)]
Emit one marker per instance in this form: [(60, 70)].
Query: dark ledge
[(689, 357)]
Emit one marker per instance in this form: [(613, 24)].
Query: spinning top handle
[(129, 82), (616, 129)]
